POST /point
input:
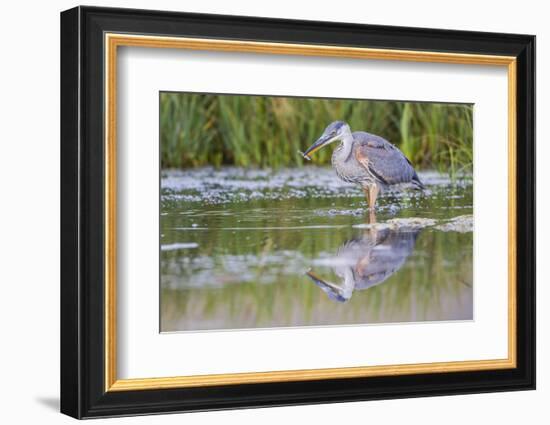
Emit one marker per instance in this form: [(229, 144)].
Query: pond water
[(245, 249)]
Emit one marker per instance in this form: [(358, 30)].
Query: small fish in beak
[(304, 155)]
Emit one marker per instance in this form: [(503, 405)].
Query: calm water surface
[(259, 249)]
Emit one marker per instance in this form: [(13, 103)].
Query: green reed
[(198, 130)]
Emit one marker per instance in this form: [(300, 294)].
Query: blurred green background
[(261, 131)]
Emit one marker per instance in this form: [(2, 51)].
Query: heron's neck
[(349, 283), (346, 145)]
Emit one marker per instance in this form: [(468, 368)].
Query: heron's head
[(338, 130), (334, 292)]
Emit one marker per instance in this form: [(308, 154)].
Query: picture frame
[(90, 40)]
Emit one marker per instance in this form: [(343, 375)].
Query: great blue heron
[(367, 261), (366, 159)]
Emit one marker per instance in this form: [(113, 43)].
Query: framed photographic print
[(261, 212)]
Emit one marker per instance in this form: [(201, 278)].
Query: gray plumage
[(384, 164), (387, 255), (367, 261)]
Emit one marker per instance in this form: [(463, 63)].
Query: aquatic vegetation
[(463, 224), (198, 130)]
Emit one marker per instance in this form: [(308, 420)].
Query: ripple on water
[(180, 245), (462, 224)]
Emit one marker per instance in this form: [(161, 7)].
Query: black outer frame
[(82, 215)]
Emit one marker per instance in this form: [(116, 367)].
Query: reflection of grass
[(431, 286), (268, 131)]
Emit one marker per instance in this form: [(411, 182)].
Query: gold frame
[(113, 41)]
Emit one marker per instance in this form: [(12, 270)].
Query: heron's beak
[(333, 291), (318, 280), (322, 141)]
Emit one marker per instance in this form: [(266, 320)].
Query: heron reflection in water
[(367, 261)]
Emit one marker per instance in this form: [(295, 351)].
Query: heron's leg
[(373, 194), (372, 219), (366, 190)]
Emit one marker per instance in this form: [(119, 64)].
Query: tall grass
[(199, 130)]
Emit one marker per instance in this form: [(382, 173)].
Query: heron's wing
[(385, 259), (383, 160)]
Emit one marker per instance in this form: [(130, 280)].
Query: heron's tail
[(417, 184)]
